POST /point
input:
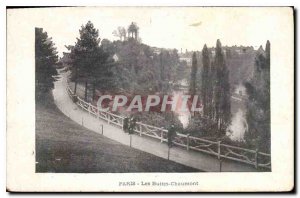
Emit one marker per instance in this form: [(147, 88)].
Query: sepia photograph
[(119, 104), (182, 90)]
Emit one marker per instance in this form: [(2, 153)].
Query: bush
[(201, 127)]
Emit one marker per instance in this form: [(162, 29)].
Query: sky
[(169, 27)]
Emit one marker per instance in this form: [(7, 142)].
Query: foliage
[(193, 79), (206, 85), (163, 120), (214, 91), (258, 103), (89, 58), (201, 127), (127, 67), (141, 71), (45, 60), (121, 33), (221, 91), (239, 61)]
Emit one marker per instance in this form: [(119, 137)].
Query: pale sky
[(169, 27)]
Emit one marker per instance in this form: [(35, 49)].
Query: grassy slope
[(64, 146)]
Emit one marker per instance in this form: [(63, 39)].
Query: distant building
[(187, 57), (213, 52), (188, 60), (133, 31)]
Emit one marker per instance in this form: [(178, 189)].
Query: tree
[(193, 75), (258, 103), (121, 33), (222, 114), (162, 72), (87, 55), (205, 81), (45, 60), (268, 45), (108, 47)]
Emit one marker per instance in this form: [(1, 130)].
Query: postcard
[(150, 99)]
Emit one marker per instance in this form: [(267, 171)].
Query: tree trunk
[(75, 89), (94, 90), (75, 86), (85, 91)]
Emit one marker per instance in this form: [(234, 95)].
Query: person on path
[(126, 125), (171, 134), (132, 124)]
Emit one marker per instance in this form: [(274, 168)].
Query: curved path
[(190, 158)]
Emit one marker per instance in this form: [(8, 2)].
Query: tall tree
[(162, 72), (258, 103), (85, 54), (268, 45), (221, 91), (205, 81), (45, 60), (193, 75)]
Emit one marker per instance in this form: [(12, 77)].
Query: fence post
[(188, 142), (108, 118), (130, 139), (140, 126), (161, 136), (256, 158), (219, 149), (89, 108), (102, 129)]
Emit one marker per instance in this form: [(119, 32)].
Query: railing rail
[(221, 151)]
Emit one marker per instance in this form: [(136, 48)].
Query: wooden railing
[(221, 151)]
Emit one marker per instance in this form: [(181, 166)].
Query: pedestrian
[(126, 125), (171, 134), (132, 124)]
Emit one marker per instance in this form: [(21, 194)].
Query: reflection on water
[(238, 127), (184, 119), (235, 131), (183, 116)]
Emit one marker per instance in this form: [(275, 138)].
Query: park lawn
[(63, 146)]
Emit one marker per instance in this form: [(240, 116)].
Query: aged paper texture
[(150, 99)]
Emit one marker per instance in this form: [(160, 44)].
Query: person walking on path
[(171, 134), (126, 125), (132, 123)]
